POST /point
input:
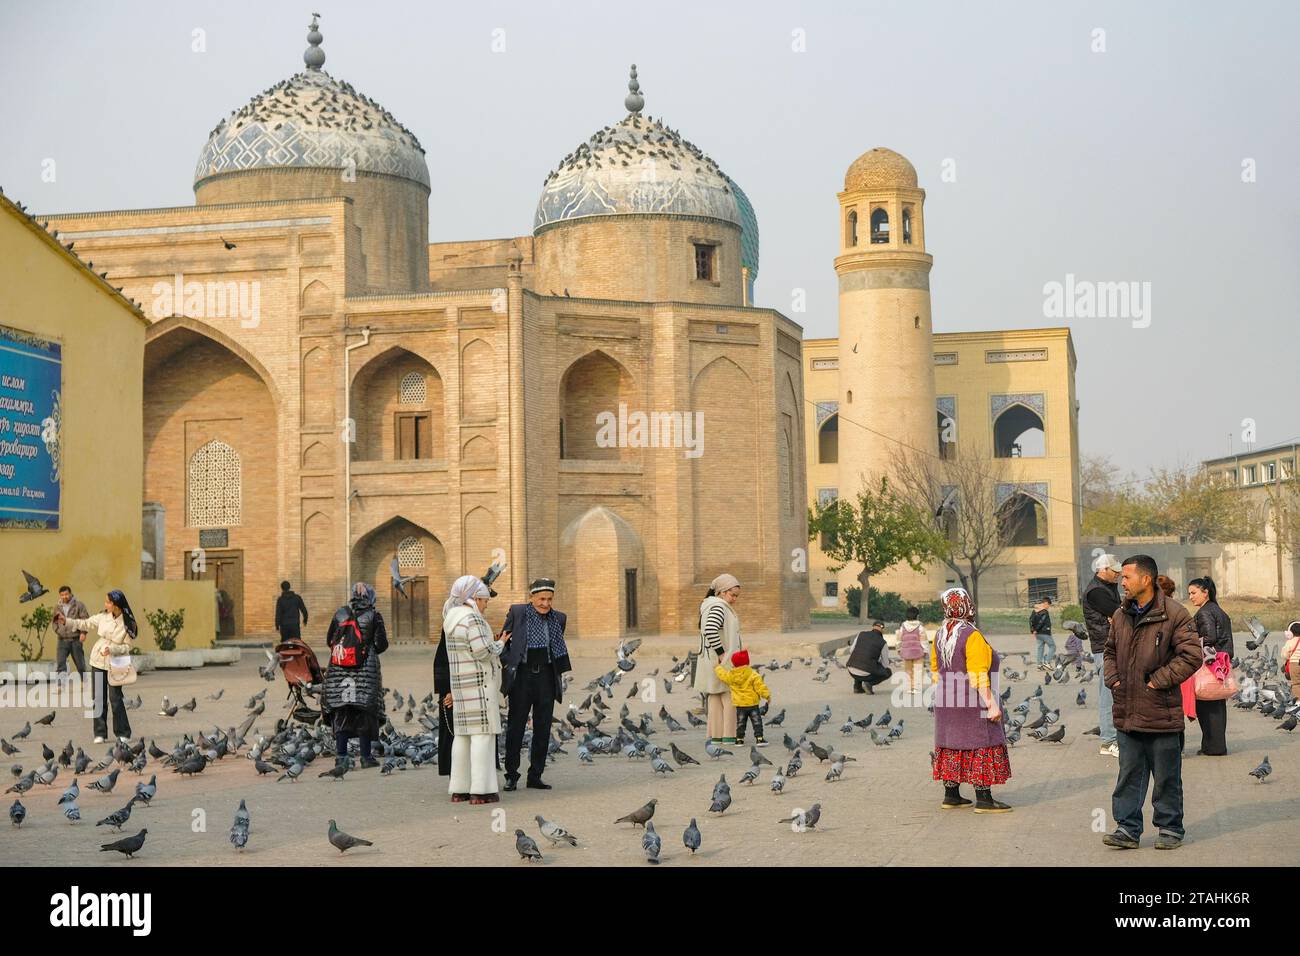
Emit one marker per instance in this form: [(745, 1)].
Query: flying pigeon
[(128, 846), (344, 841), (399, 582), (34, 589), (526, 847)]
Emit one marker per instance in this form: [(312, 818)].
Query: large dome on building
[(312, 121), (640, 165), (880, 168)]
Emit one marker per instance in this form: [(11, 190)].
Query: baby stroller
[(303, 675)]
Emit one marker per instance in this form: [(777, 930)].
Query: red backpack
[(349, 650)]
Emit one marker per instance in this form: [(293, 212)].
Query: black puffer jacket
[(1100, 601), (1215, 629), (360, 687)]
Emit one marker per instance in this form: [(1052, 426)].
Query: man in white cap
[(533, 666), (1100, 598)]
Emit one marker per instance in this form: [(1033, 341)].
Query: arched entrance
[(210, 460), (603, 561), (409, 612)]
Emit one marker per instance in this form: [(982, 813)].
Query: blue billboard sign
[(31, 422)]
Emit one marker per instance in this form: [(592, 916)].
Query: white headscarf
[(463, 592)]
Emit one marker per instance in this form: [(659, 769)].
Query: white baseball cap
[(1106, 562)]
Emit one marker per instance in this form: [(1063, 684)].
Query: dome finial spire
[(315, 56), (634, 100)]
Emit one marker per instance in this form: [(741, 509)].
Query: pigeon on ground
[(1263, 770), (778, 782), (691, 837), (192, 765), (821, 754), (71, 793), (344, 841), (292, 774), (262, 767), (897, 730), (107, 783), (794, 766), (217, 695), (1082, 699), (1056, 736), (805, 819), (660, 765), (750, 775), (640, 817), (651, 843), (756, 757), (128, 846), (778, 720), (694, 721), (554, 832), (118, 817), (837, 769), (338, 771), (878, 740), (681, 756), (526, 847), (22, 734), (884, 720), (146, 791), (47, 720), (17, 813), (71, 810), (1288, 723), (715, 751), (240, 828)]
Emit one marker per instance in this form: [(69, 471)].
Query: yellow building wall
[(98, 544), (972, 378)]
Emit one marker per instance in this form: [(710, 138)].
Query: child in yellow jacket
[(746, 689)]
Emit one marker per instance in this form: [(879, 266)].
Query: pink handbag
[(1208, 683), (1189, 698)]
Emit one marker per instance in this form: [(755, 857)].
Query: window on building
[(1270, 471), (414, 436), (411, 390), (410, 553), (831, 589), (828, 441), (879, 226), (907, 226), (1249, 475), (851, 231), (1040, 588), (705, 262), (1231, 476), (214, 497), (1288, 468)]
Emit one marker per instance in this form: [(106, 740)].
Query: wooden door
[(225, 569), (411, 613)]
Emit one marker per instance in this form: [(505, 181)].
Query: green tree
[(876, 531)]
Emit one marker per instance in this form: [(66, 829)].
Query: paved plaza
[(883, 812)]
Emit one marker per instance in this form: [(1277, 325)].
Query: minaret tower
[(886, 355)]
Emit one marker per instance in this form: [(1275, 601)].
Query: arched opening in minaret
[(907, 225), (1018, 433), (879, 225), (851, 229), (828, 441), (1022, 521)]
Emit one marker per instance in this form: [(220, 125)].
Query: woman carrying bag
[(1215, 630), (110, 661), (719, 639)]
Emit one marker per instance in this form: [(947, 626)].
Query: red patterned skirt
[(982, 767)]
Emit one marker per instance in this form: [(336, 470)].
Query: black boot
[(857, 687), (984, 802), (512, 782), (952, 798)]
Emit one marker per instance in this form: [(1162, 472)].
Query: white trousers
[(473, 764)]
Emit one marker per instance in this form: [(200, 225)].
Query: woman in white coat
[(117, 630), (719, 639), (473, 656)]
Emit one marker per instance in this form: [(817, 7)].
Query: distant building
[(889, 380)]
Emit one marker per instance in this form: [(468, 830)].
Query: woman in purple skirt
[(969, 745)]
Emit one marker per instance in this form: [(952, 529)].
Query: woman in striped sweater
[(719, 639)]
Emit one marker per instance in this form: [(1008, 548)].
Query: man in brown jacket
[(1151, 649), (69, 637)]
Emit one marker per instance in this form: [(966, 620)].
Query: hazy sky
[(1124, 165)]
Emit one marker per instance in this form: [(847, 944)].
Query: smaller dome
[(880, 168)]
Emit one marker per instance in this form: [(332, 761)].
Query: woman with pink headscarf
[(969, 745)]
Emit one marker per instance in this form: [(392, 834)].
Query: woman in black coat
[(1215, 629), (353, 700)]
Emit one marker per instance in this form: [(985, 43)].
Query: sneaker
[(740, 741), (99, 740), (1109, 750), (1168, 841), (760, 742), (727, 741), (1120, 840)]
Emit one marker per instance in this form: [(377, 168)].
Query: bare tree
[(960, 495)]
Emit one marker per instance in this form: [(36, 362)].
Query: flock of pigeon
[(594, 728)]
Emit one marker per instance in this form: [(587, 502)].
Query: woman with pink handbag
[(1214, 682)]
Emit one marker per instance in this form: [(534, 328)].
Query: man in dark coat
[(288, 607), (532, 666), (1151, 649), (867, 659), (1100, 600)]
